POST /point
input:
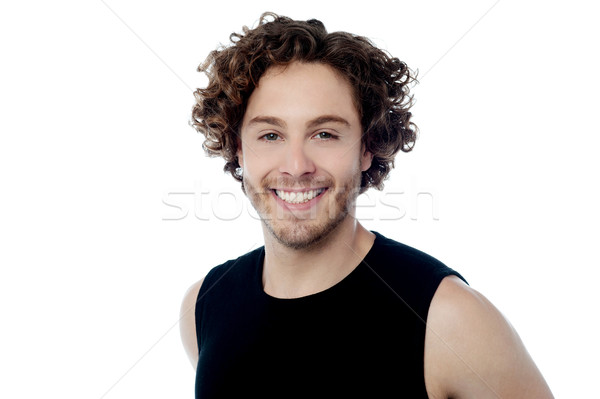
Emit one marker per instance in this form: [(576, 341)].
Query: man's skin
[(302, 131)]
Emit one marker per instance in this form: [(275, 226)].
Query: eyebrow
[(272, 120), (269, 120), (327, 119)]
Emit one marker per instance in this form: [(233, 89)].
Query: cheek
[(342, 172), (255, 166), (343, 161)]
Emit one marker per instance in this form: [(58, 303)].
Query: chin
[(304, 235)]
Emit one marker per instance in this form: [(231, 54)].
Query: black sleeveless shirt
[(363, 337)]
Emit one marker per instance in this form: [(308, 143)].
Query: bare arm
[(187, 322), (471, 351)]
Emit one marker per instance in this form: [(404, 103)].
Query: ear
[(239, 154), (365, 160), (240, 158)]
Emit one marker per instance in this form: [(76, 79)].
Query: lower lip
[(301, 206)]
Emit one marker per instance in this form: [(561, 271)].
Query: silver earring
[(239, 171)]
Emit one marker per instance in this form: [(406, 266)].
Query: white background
[(95, 100)]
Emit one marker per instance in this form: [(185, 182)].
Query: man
[(307, 120)]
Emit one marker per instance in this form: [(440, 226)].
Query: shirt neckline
[(317, 295)]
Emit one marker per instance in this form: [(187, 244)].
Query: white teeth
[(298, 197)]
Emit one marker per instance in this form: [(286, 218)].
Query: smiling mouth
[(298, 197)]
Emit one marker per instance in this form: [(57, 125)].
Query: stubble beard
[(311, 230)]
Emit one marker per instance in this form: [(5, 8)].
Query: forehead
[(302, 91)]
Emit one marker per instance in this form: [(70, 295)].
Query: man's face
[(301, 152)]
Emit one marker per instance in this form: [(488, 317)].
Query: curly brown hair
[(380, 83)]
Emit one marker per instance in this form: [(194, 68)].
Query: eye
[(271, 136), (324, 136)]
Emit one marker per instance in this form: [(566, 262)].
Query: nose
[(297, 161)]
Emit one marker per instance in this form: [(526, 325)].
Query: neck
[(293, 273)]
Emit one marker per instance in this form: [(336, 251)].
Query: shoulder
[(413, 274), (404, 258), (228, 277), (230, 273), (187, 322), (471, 350)]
